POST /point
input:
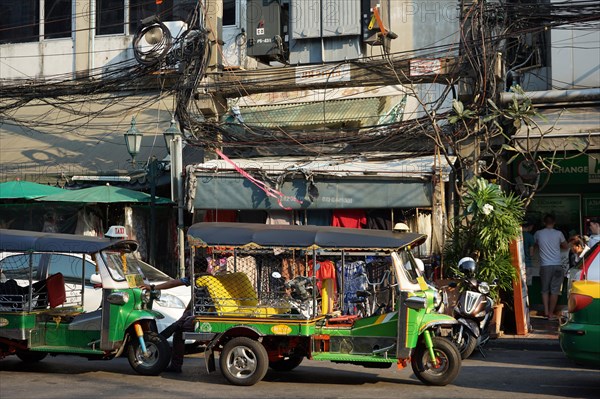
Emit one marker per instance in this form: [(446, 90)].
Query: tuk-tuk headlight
[(484, 288), (146, 296), (118, 298)]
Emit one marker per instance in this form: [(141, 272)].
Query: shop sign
[(236, 192), (322, 74), (565, 208), (591, 205), (584, 169)]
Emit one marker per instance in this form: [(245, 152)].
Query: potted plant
[(489, 220)]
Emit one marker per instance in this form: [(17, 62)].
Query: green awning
[(236, 192), (18, 189), (106, 194)]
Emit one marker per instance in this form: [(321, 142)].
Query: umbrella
[(26, 190), (103, 195)]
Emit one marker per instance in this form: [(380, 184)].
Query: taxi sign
[(116, 232)]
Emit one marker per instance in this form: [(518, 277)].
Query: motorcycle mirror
[(276, 275)]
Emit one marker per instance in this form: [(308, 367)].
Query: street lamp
[(133, 140), (173, 141), (170, 134)]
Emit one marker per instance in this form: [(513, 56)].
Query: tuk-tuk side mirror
[(96, 280), (416, 302)]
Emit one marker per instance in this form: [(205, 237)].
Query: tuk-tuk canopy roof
[(298, 237), (23, 241)]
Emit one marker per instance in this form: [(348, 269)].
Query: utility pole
[(177, 197)]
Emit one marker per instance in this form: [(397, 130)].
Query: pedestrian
[(578, 248), (594, 232), (528, 244), (550, 241), (186, 321)]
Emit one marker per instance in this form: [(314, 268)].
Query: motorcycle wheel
[(286, 364), (448, 359), (244, 361), (159, 354), (468, 343), (31, 357)]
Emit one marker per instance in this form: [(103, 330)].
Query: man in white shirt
[(550, 241), (595, 232)]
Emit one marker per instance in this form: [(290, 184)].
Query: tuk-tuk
[(43, 317), (277, 294)]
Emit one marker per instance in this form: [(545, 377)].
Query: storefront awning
[(572, 129), (317, 184)]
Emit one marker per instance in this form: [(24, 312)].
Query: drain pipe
[(553, 96)]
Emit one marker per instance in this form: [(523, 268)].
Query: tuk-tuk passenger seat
[(232, 294)]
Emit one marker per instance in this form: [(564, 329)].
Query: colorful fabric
[(350, 218), (355, 279)]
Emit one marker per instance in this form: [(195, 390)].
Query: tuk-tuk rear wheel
[(159, 354), (244, 361), (286, 364), (31, 356), (446, 366)]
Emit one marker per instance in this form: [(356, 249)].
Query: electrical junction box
[(266, 38)]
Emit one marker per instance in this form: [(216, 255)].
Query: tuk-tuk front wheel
[(158, 354), (31, 356), (244, 361), (440, 371)]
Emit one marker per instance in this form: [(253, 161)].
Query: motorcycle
[(301, 294), (474, 311)]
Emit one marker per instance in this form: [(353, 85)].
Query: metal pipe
[(552, 96), (177, 195)]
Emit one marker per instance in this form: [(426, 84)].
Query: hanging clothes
[(319, 217), (350, 218), (292, 267), (379, 219), (245, 264), (355, 279), (280, 217)]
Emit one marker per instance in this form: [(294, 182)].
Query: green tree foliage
[(489, 221)]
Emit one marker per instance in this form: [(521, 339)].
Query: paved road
[(504, 373)]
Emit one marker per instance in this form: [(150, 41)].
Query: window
[(141, 9), (57, 19), (110, 17), (229, 12), (70, 267), (19, 21), (149, 272), (16, 267)]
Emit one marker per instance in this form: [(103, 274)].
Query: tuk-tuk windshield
[(117, 264), (410, 266)]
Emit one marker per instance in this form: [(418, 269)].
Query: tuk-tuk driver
[(186, 321)]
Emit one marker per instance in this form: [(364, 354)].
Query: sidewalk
[(543, 337)]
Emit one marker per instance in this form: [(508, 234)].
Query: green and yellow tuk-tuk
[(41, 317), (278, 294)]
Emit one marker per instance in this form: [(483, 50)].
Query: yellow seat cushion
[(234, 295)]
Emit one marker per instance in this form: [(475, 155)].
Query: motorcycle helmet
[(467, 266)]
